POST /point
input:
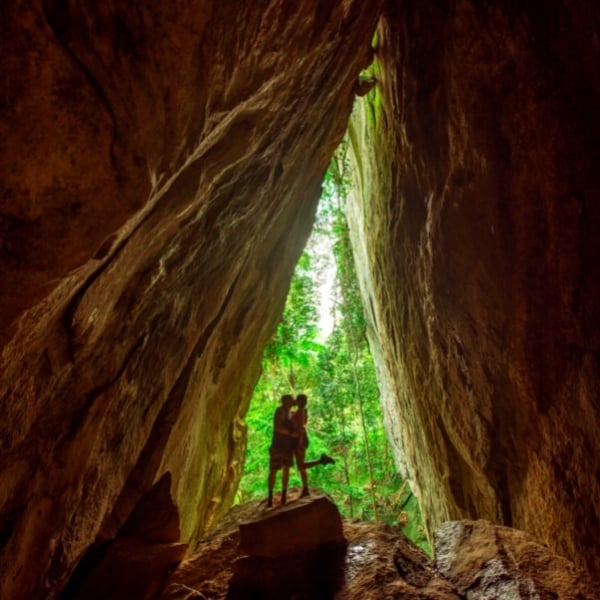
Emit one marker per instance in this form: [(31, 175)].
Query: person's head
[(287, 400), (301, 400)]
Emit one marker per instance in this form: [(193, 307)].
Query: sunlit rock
[(160, 165), (475, 229)]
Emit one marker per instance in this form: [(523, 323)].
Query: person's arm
[(278, 420), (281, 423), (300, 418)]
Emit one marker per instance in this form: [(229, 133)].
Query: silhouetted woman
[(299, 419)]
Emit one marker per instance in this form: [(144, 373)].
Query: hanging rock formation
[(475, 228), (160, 167)]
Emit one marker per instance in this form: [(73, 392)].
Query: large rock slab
[(303, 525), (296, 550), (160, 168), (476, 226)]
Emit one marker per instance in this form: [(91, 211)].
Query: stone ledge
[(300, 526)]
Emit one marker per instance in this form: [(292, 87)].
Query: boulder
[(296, 550), (300, 526), (485, 561)]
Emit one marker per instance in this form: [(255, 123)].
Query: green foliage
[(338, 376)]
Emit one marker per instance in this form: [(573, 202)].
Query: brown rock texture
[(474, 560), (138, 561), (131, 569), (160, 167), (293, 550), (482, 560), (475, 229), (308, 523)]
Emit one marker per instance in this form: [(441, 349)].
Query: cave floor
[(369, 568)]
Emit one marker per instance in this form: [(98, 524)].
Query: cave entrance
[(320, 349)]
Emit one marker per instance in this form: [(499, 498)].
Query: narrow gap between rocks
[(320, 349)]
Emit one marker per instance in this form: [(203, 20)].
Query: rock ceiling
[(160, 170)]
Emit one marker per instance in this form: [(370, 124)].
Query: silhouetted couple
[(289, 440)]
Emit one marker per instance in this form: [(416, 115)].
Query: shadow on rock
[(314, 575), (293, 551)]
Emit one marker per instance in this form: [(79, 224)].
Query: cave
[(161, 168)]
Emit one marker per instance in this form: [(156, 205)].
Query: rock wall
[(475, 227), (160, 167)]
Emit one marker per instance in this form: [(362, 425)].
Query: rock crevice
[(161, 168), (476, 185)]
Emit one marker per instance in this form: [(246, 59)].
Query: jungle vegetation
[(333, 366)]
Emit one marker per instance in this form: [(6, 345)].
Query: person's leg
[(275, 463), (285, 475), (272, 476), (324, 460), (300, 456)]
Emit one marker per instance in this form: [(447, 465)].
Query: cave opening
[(321, 349), (159, 167)]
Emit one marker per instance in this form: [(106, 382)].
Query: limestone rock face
[(473, 560), (475, 228), (160, 167), (483, 560)]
